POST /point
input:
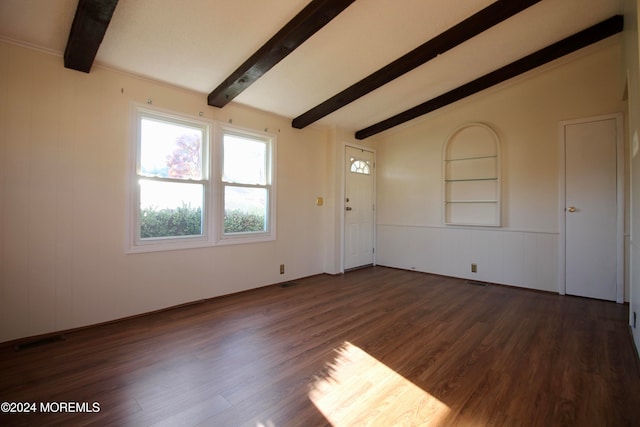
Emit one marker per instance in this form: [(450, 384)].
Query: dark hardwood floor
[(376, 346)]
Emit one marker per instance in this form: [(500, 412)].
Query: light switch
[(319, 201)]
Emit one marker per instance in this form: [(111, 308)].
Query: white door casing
[(359, 208), (591, 202)]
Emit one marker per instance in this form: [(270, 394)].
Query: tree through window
[(171, 181), (175, 204)]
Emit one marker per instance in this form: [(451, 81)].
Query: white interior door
[(359, 208), (592, 209)]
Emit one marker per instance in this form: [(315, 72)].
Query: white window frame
[(270, 141), (213, 203), (137, 244)]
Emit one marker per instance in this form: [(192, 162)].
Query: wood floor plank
[(376, 346)]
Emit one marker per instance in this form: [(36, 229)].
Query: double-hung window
[(194, 187), (246, 186), (172, 182)]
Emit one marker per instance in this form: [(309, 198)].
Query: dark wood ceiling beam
[(87, 31), (310, 20), (454, 36), (564, 47)]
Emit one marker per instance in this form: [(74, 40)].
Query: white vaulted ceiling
[(196, 44)]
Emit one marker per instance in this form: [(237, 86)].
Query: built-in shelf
[(471, 201), (471, 181), (471, 158)]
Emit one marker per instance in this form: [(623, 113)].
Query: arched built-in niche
[(471, 184)]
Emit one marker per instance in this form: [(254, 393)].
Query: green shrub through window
[(198, 183)]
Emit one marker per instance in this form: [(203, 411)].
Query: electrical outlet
[(281, 268), (474, 268)]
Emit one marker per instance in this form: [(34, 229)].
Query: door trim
[(342, 203), (618, 117)]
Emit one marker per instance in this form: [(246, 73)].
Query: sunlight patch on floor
[(357, 389)]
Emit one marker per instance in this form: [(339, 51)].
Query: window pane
[(360, 166), (245, 160), (170, 150), (245, 209), (169, 209)]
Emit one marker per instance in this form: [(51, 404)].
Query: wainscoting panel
[(526, 259)]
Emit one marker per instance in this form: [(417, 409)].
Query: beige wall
[(632, 75), (525, 113), (63, 192)]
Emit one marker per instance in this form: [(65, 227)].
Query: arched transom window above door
[(360, 166)]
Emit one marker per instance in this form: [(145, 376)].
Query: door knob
[(571, 209), (348, 208)]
